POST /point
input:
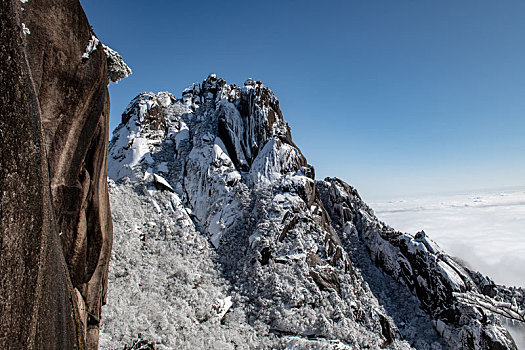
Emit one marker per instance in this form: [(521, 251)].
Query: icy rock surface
[(222, 240)]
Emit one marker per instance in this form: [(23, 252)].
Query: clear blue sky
[(395, 97)]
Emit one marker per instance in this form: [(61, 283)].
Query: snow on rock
[(25, 30), (275, 159), (430, 245), (222, 307), (117, 68), (91, 46), (143, 130), (452, 276), (246, 219), (161, 183), (419, 264)]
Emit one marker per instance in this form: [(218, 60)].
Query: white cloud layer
[(486, 230)]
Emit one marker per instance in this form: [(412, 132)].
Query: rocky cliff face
[(225, 239), (56, 224)]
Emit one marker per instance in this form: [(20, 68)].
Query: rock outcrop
[(299, 263), (56, 228)]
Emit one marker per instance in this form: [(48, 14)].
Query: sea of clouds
[(485, 230)]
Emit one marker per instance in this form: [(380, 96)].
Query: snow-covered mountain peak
[(243, 122), (227, 154), (305, 263)]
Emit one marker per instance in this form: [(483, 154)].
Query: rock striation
[(56, 228), (219, 219)]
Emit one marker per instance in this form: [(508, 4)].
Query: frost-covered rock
[(91, 46), (165, 281), (270, 264), (117, 68), (418, 263), (255, 241)]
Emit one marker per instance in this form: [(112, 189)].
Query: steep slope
[(218, 169), (418, 263), (56, 224)]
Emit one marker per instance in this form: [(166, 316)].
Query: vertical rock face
[(56, 228), (35, 302)]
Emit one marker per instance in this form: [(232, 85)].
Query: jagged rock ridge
[(218, 167)]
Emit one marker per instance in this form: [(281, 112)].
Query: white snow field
[(486, 230)]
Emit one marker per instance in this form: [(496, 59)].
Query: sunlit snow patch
[(223, 306), (25, 30), (92, 46)]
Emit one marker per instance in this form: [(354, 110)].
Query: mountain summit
[(224, 239)]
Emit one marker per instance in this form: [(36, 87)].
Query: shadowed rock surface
[(56, 229)]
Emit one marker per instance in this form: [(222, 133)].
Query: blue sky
[(397, 98)]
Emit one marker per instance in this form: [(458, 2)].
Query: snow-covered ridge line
[(483, 215), (420, 264), (505, 309)]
